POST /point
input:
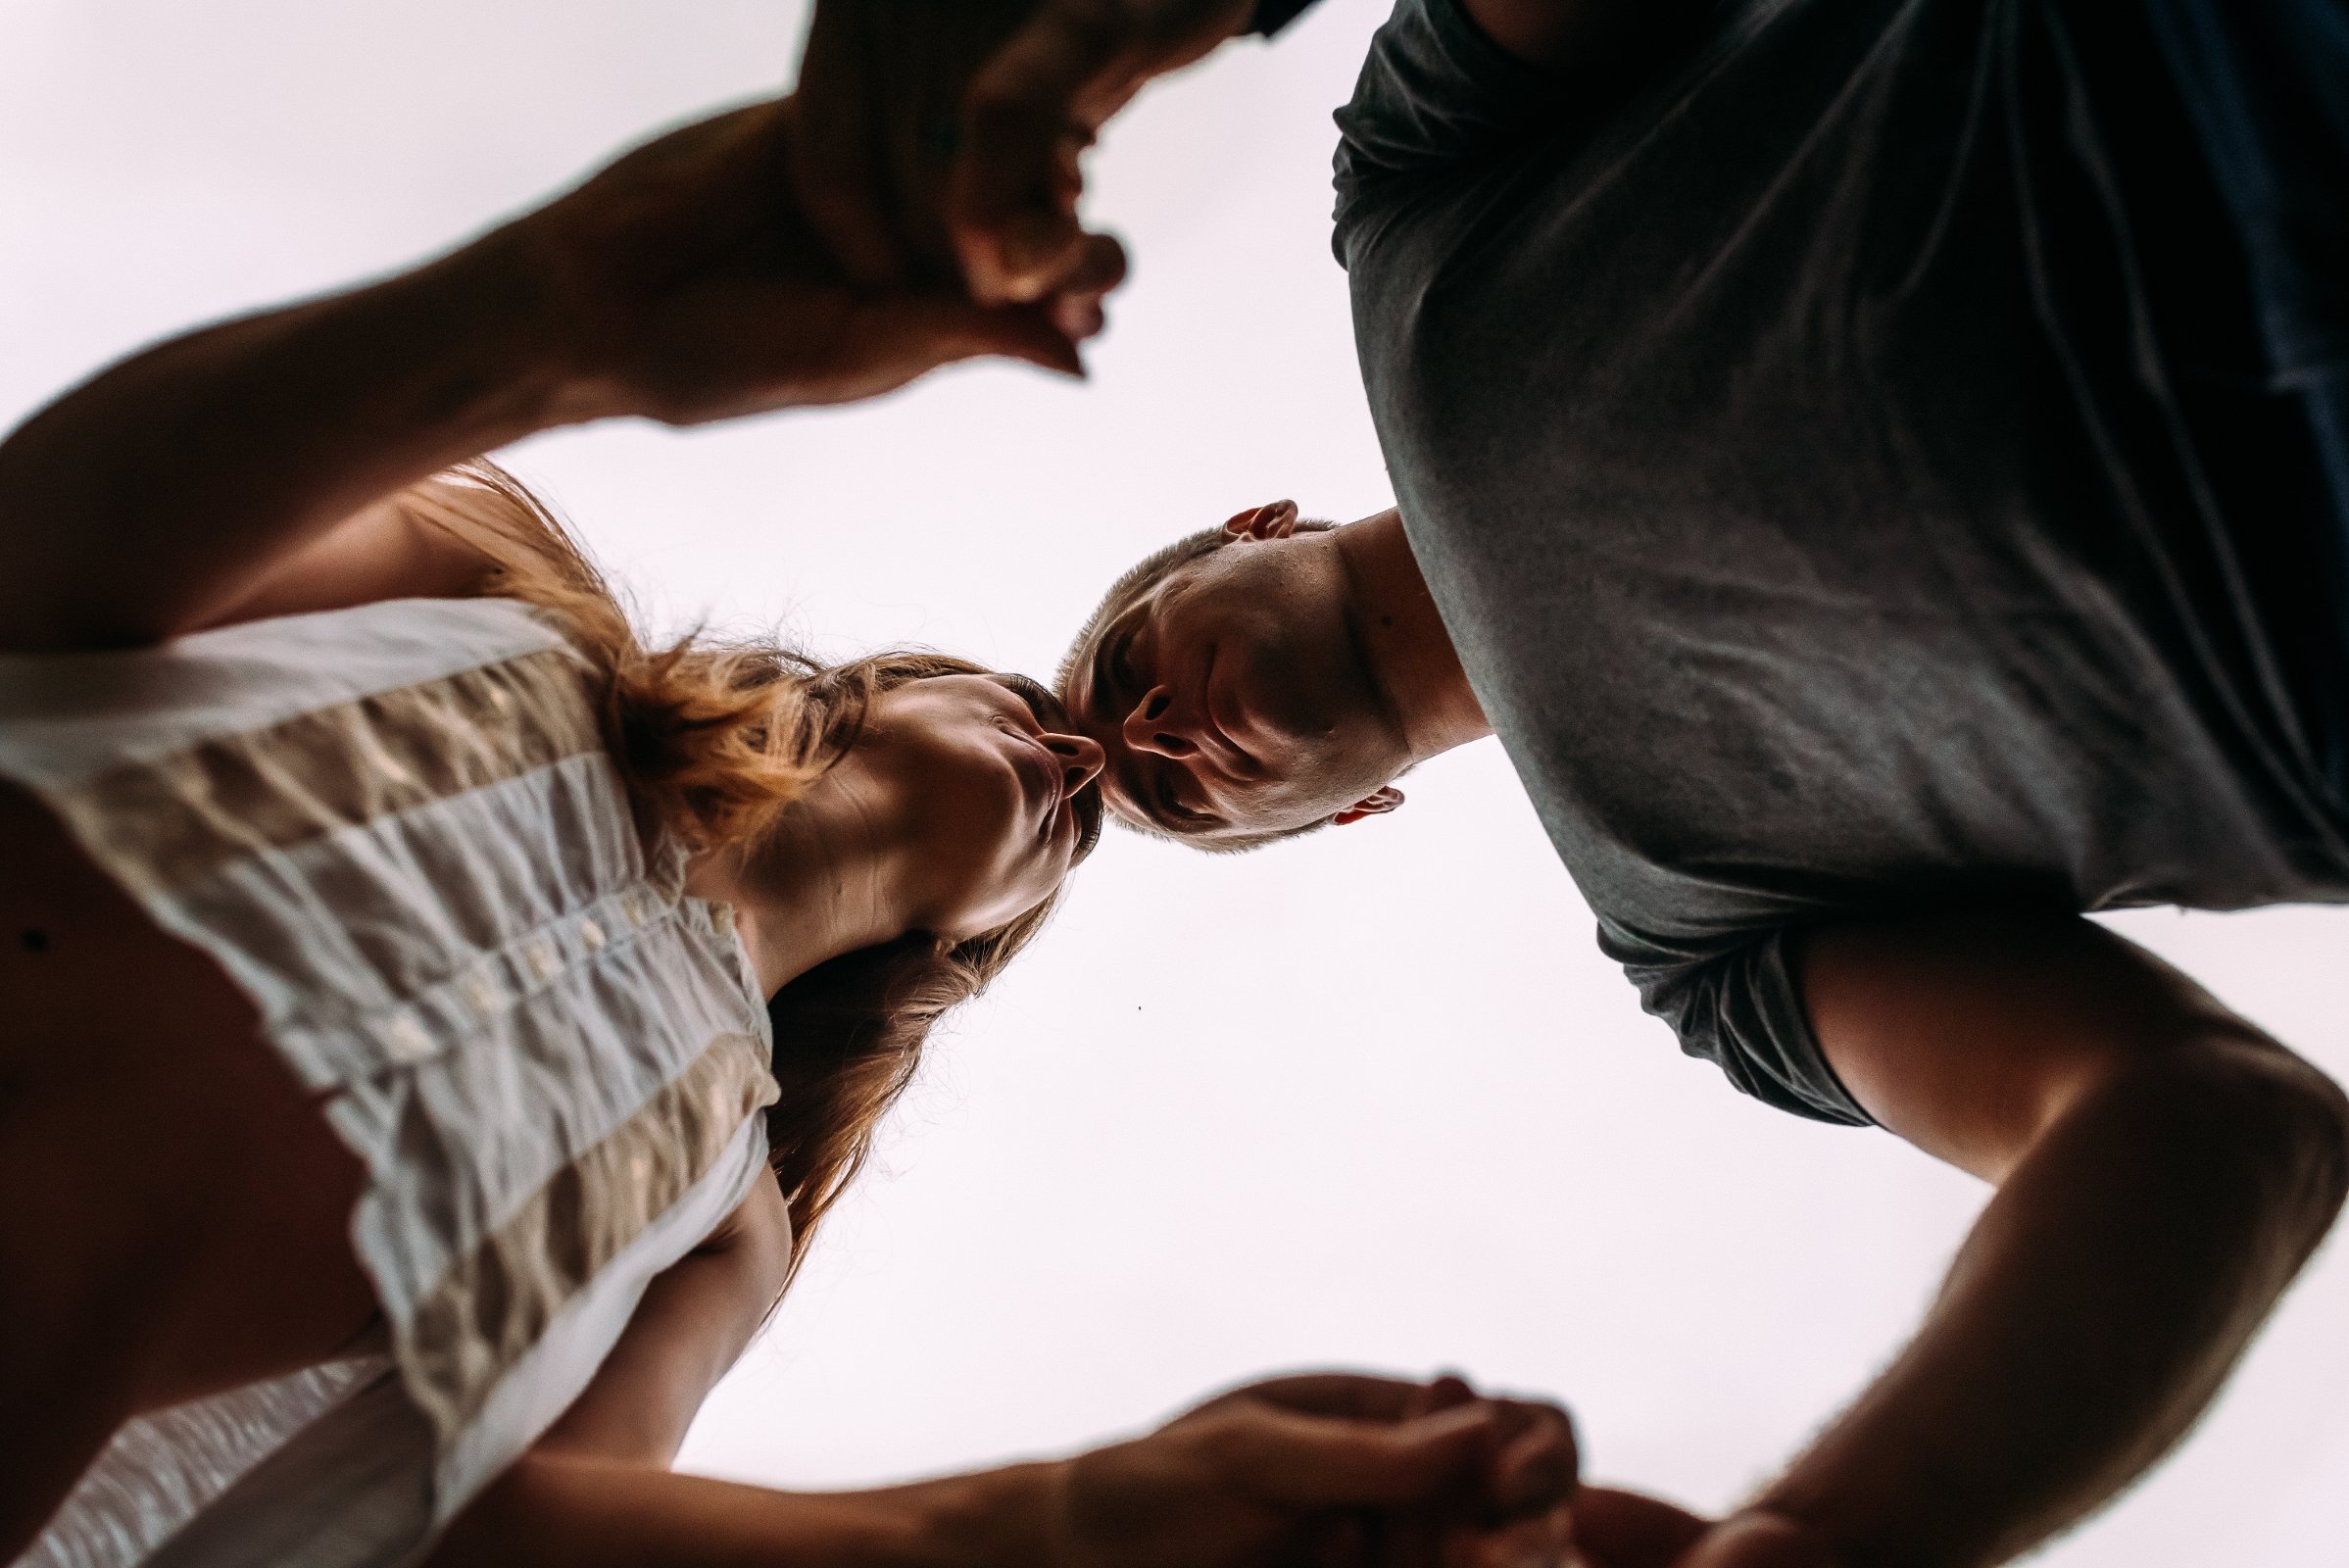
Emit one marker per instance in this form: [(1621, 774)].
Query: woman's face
[(998, 790)]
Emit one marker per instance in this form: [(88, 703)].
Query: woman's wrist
[(1002, 1518), (538, 325)]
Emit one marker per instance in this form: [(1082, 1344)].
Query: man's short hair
[(1138, 579)]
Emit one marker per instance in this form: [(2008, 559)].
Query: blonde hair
[(715, 739)]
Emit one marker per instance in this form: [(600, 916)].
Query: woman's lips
[(1043, 770)]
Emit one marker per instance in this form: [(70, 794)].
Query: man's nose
[(1081, 759), (1155, 726)]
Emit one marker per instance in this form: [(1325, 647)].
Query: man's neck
[(1402, 638)]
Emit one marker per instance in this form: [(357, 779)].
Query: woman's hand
[(681, 283), (684, 283), (944, 135), (1624, 1530), (1333, 1471)]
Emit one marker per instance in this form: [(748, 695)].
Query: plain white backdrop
[(1370, 1099)]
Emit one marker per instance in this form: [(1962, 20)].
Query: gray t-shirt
[(1798, 463)]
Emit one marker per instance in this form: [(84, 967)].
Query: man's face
[(1231, 699)]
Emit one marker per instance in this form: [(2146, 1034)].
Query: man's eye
[(1121, 662)]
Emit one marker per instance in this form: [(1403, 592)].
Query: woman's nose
[(1081, 759), (1153, 726)]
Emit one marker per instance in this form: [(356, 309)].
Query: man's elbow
[(2312, 1115), (2250, 1107)]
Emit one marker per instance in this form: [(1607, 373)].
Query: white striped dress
[(396, 829)]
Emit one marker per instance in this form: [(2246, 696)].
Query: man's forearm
[(166, 488), (2121, 1270)]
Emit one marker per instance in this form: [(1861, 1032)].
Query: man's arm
[(2163, 1170)]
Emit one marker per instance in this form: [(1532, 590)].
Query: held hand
[(1333, 1471), (684, 283), (1626, 1530), (944, 135)]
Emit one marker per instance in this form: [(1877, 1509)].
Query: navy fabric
[(1860, 465), (2266, 84), (1270, 16)]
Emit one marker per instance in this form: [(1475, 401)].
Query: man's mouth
[(1236, 759)]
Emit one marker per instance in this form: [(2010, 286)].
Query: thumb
[(1758, 1540), (909, 336), (1321, 1462)]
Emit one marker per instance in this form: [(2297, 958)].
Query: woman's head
[(982, 785), (991, 794), (994, 796)]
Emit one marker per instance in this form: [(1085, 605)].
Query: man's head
[(1225, 678)]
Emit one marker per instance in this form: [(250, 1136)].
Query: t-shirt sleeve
[(1742, 1011), (1270, 16), (1434, 94)]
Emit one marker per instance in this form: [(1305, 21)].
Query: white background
[(1369, 1099)]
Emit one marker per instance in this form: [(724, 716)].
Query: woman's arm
[(693, 1324), (1259, 1477), (385, 551), (153, 499), (679, 284), (1242, 1481)]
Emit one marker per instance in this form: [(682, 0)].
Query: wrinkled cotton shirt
[(396, 829), (1803, 454)]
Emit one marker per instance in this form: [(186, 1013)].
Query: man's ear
[(1274, 520), (1378, 803)]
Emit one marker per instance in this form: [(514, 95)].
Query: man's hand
[(1333, 1471), (942, 136), (685, 284)]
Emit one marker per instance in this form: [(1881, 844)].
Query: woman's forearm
[(2095, 1309), (584, 1514), (165, 489)]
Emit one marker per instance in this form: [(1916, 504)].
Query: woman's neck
[(827, 878)]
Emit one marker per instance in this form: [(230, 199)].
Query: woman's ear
[(1378, 803), (1275, 519)]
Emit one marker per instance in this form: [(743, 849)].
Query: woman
[(500, 957)]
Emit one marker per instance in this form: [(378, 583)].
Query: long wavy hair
[(715, 739)]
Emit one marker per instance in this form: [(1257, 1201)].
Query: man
[(1879, 467)]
